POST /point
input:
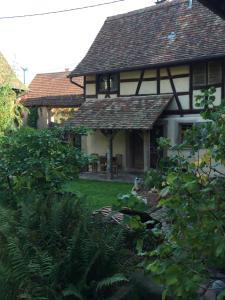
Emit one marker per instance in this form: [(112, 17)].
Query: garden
[(54, 246)]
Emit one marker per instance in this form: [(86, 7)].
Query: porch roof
[(120, 113), (54, 101)]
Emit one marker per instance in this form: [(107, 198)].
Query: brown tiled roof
[(7, 75), (53, 89), (55, 101), (217, 6), (120, 113), (140, 38)]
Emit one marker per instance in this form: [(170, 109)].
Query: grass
[(98, 193)]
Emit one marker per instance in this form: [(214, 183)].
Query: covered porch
[(124, 133)]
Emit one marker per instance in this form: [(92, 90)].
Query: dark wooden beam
[(140, 82), (175, 92), (158, 81), (223, 82), (191, 87)]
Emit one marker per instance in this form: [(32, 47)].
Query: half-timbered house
[(141, 76)]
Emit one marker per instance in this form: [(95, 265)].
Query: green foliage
[(32, 117), (36, 162), (110, 281), (195, 197), (51, 246), (153, 179), (54, 250), (11, 111), (7, 101)]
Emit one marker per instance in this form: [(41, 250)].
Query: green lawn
[(98, 193)]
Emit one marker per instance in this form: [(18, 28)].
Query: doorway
[(136, 149)]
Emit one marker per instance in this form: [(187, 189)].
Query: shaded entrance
[(155, 154), (136, 148)]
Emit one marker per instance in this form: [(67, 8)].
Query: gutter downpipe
[(77, 84)]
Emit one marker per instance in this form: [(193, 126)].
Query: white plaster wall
[(42, 117), (150, 74), (90, 89), (130, 75), (163, 72), (179, 70), (185, 101), (102, 96), (165, 86), (172, 105), (148, 87), (182, 84), (128, 88)]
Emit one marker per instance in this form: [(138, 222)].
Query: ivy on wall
[(32, 117)]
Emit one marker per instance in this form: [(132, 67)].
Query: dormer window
[(108, 83)]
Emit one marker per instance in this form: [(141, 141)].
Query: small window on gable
[(113, 81), (214, 73), (108, 83), (199, 75)]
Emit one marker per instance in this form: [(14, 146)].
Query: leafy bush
[(36, 162), (195, 197)]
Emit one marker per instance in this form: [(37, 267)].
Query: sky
[(53, 43)]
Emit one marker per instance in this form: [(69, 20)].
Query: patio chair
[(119, 161), (103, 163), (94, 162)]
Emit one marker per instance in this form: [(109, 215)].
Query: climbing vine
[(32, 117)]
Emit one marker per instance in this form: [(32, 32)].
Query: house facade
[(52, 96), (141, 76)]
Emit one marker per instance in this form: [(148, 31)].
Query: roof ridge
[(146, 9), (50, 73)]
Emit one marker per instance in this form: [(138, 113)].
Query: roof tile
[(140, 38)]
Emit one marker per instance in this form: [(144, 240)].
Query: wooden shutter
[(214, 73), (199, 75)]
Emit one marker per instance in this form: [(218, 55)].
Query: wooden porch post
[(110, 135), (110, 156), (49, 114), (146, 150)]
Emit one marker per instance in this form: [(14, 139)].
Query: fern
[(111, 281)]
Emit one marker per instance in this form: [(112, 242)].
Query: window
[(199, 75), (183, 127), (205, 74), (108, 83)]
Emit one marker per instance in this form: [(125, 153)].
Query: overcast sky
[(54, 42)]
